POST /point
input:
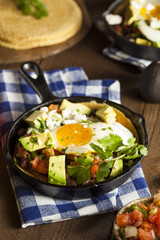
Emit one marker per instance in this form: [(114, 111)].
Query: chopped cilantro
[(104, 170), (49, 142), (103, 155), (113, 145), (82, 171), (111, 142), (64, 150), (69, 137), (34, 139), (26, 6), (42, 126), (87, 121), (113, 148)]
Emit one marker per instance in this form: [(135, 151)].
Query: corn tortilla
[(24, 32), (120, 117)]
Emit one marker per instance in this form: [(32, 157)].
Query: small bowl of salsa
[(139, 220)]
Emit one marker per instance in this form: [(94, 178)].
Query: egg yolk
[(143, 11), (74, 134), (154, 13)]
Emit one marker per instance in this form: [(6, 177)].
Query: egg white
[(99, 130), (141, 10)]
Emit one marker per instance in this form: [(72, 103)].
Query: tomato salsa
[(141, 221)]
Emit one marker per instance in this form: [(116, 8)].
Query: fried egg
[(75, 138), (148, 10)]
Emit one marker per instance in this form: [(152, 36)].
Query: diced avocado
[(81, 108), (143, 41), (107, 114), (33, 119), (117, 168), (56, 171), (37, 141)]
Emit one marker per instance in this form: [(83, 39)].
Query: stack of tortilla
[(17, 31)]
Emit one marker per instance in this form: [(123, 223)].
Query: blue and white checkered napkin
[(112, 51), (16, 96)]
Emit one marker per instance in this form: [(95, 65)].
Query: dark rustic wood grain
[(87, 54)]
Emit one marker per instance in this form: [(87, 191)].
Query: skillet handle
[(38, 84)]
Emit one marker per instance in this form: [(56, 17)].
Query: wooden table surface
[(88, 55)]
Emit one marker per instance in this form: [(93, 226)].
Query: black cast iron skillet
[(137, 50), (67, 192)]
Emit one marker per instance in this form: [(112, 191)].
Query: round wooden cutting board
[(8, 55)]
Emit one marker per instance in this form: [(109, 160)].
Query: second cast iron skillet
[(67, 192), (134, 49)]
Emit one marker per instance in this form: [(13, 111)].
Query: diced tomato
[(131, 215), (145, 218), (145, 234), (157, 222), (153, 215), (146, 225), (150, 206), (94, 168), (152, 218), (122, 220), (137, 215), (43, 166), (53, 107), (156, 230), (49, 152), (99, 161), (35, 162), (95, 165), (142, 205), (40, 165)]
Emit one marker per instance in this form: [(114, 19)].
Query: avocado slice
[(150, 33), (143, 41), (81, 108), (107, 114), (56, 171), (37, 141), (32, 119), (117, 168)]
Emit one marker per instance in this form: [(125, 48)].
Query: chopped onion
[(131, 231), (153, 235)]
